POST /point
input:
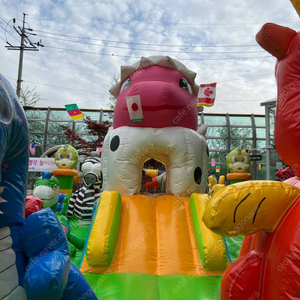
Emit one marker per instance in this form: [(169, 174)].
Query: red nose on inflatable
[(275, 39)]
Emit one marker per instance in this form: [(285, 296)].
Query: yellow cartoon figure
[(66, 157), (238, 161)]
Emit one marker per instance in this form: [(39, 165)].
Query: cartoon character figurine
[(47, 189), (81, 203), (35, 259), (238, 163), (66, 159), (267, 213)]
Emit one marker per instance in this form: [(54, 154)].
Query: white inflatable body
[(183, 151)]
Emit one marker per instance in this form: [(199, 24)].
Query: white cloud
[(156, 22)]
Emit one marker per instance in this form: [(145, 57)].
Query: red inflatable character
[(266, 212)]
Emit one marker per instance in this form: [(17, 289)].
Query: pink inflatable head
[(164, 95)]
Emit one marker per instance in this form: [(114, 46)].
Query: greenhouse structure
[(225, 132)]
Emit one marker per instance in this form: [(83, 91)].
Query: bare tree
[(29, 97), (112, 100)]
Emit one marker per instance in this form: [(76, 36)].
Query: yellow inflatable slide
[(146, 248)]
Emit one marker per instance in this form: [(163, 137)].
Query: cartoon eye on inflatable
[(245, 159), (183, 83), (60, 156), (6, 105), (69, 156), (233, 159), (55, 186), (125, 85)]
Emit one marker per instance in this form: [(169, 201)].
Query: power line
[(15, 29), (132, 56), (155, 23), (106, 92), (15, 6), (9, 34), (7, 24), (151, 50), (61, 87), (145, 44), (13, 19), (66, 88), (247, 76), (21, 31), (2, 39), (5, 29)]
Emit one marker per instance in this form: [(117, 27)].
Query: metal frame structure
[(232, 123), (270, 111)]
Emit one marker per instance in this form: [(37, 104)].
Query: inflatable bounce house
[(154, 246), (267, 213), (35, 259)]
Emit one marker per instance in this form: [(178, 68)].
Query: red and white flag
[(135, 108), (213, 162), (32, 148), (207, 94), (99, 149)]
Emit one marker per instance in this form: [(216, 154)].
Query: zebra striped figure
[(82, 201)]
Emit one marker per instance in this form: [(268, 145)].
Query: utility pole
[(22, 32), (19, 81)]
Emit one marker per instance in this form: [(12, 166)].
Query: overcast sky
[(114, 33)]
